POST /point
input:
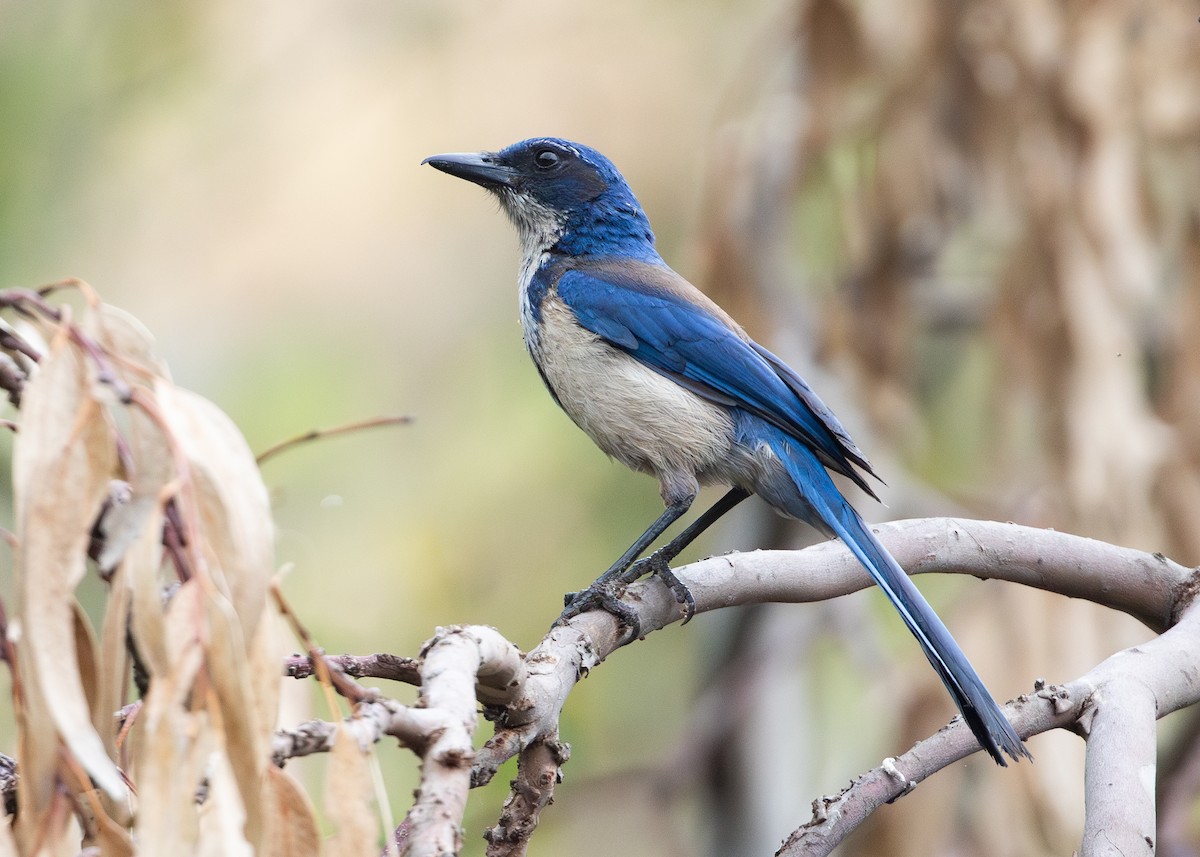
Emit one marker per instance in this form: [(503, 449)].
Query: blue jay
[(664, 381)]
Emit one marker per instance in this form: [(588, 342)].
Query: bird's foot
[(658, 565), (602, 595)]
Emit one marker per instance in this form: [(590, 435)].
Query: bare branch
[(372, 720), (1119, 772), (1115, 701), (382, 665), (1149, 587), (453, 660), (538, 772), (526, 695)]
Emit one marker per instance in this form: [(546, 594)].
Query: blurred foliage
[(995, 207)]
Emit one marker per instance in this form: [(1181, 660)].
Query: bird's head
[(559, 194)]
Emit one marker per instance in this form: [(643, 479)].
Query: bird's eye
[(546, 158)]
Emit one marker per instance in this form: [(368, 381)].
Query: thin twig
[(317, 434), (381, 665), (328, 672)]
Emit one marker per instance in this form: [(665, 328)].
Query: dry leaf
[(291, 825), (222, 816), (87, 658), (142, 518), (111, 838), (133, 529), (267, 651), (171, 748), (245, 744), (233, 505), (141, 566), (261, 709), (38, 756), (114, 664), (63, 460), (150, 453), (124, 335), (349, 796)]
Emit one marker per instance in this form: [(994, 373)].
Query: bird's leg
[(659, 562), (604, 592)]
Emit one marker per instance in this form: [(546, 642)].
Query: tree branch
[(382, 665), (1114, 705), (1148, 586), (1119, 770), (454, 660)]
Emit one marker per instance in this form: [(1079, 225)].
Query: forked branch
[(1114, 706)]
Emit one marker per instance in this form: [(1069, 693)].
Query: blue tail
[(821, 504)]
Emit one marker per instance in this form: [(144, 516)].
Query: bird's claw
[(601, 596), (679, 589), (656, 564), (605, 594)]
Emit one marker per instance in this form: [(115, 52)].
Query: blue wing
[(660, 319)]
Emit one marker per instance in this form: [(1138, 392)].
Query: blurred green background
[(869, 189)]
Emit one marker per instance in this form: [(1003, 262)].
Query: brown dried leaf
[(114, 840), (291, 824), (133, 529), (114, 661), (267, 651), (38, 757), (63, 460), (349, 794), (222, 816), (153, 468), (245, 743), (172, 743), (130, 341), (232, 503), (89, 667), (140, 566), (111, 838)]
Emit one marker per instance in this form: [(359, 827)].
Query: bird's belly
[(641, 418)]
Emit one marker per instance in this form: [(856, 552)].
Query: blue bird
[(664, 381)]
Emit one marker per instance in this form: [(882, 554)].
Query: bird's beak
[(481, 168)]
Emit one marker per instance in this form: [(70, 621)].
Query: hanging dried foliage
[(112, 459), (997, 205)]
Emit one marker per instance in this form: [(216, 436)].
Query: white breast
[(642, 419), (539, 228)]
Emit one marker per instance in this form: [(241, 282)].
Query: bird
[(666, 382)]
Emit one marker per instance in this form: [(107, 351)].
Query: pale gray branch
[(458, 666), (538, 772), (454, 662), (1117, 702), (1147, 586), (372, 720), (1119, 771)]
